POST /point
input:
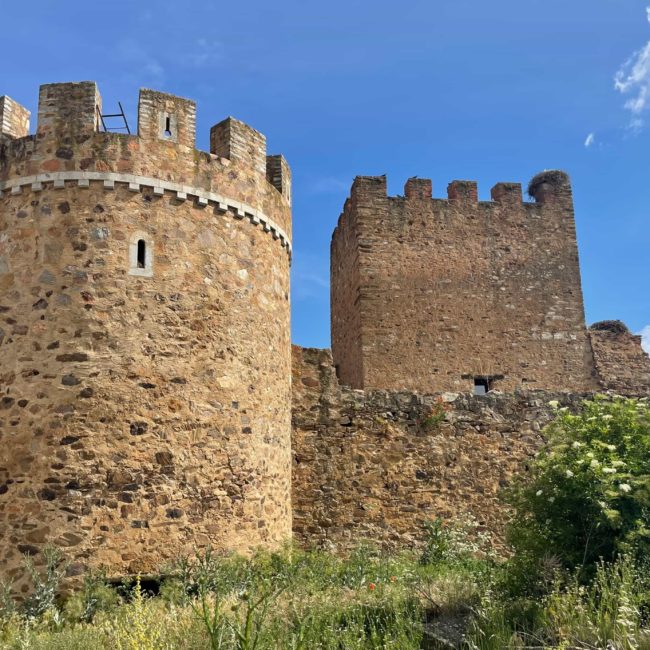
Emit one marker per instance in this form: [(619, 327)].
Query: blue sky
[(445, 89)]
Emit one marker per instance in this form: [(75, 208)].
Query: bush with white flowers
[(589, 493)]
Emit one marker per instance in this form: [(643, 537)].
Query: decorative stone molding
[(202, 197)]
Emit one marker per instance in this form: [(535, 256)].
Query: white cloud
[(633, 80), (204, 53), (137, 58), (329, 185), (591, 139), (310, 278), (645, 338), (144, 68)]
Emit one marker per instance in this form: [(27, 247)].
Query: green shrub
[(455, 542), (45, 586), (589, 494)]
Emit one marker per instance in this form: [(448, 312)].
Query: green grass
[(298, 600), (290, 600)]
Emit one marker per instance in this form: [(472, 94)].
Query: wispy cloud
[(203, 54), (140, 63), (310, 277), (645, 338), (590, 140), (328, 185), (633, 81)]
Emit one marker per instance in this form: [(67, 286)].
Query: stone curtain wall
[(141, 418), (365, 468), (427, 293), (623, 366)]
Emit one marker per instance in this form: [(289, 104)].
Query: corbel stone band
[(136, 183)]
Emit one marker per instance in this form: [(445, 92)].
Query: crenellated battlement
[(369, 202), (550, 186), (69, 114), (73, 110), (235, 176)]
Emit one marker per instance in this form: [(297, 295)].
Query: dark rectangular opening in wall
[(481, 385), (142, 254)]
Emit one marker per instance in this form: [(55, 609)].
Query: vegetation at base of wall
[(588, 496), (436, 415), (577, 576), (288, 599)]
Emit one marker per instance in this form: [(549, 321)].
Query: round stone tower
[(144, 335)]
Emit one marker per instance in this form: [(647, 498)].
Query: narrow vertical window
[(168, 127), (142, 254)]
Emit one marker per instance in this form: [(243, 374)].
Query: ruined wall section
[(365, 468), (622, 364), (455, 289), (144, 410)]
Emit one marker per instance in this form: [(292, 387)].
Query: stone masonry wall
[(366, 468), (345, 288), (622, 364), (428, 294), (144, 410), (14, 118)]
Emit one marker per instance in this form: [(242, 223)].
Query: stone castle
[(150, 400)]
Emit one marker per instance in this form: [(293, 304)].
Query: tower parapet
[(463, 191), (278, 174), (418, 188), (70, 147), (167, 117), (144, 337), (68, 112), (239, 142), (506, 193)]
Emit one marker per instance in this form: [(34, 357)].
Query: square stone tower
[(459, 294)]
